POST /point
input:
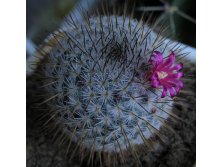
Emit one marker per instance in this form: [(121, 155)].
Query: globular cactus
[(96, 81)]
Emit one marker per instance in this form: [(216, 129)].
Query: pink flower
[(164, 73)]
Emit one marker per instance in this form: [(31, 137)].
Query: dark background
[(44, 16)]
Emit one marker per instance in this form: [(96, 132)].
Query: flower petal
[(155, 83), (172, 92), (175, 83), (154, 76), (169, 83), (169, 61), (177, 89), (156, 58), (176, 75), (164, 93), (178, 67), (180, 83)]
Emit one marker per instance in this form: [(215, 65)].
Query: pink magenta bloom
[(164, 73)]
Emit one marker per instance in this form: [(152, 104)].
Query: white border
[(12, 89), (208, 83)]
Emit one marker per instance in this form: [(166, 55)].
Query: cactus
[(95, 82)]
